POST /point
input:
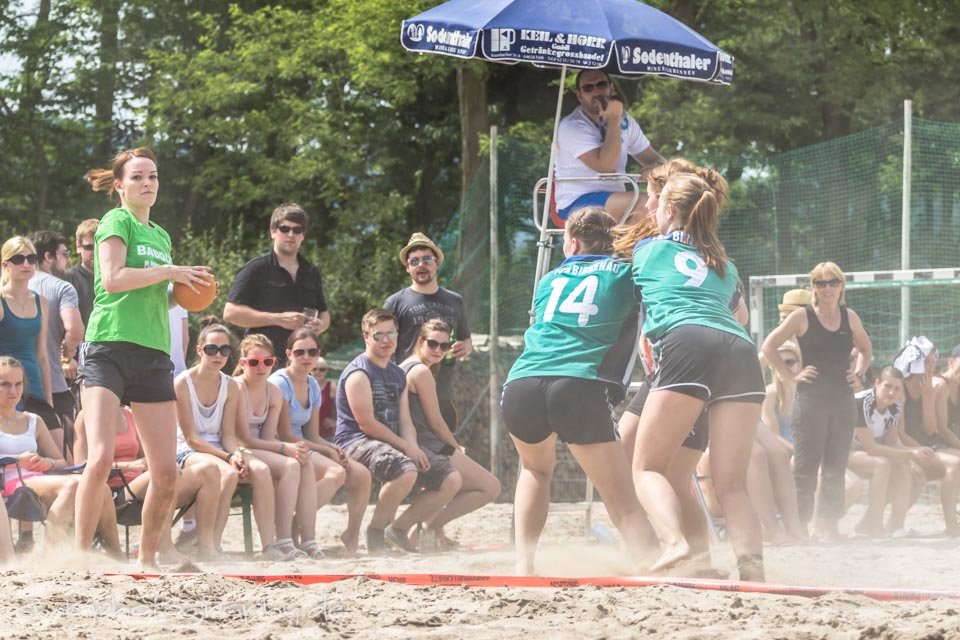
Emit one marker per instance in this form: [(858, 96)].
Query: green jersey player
[(576, 356), (706, 359)]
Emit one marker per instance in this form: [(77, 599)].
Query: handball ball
[(191, 301)]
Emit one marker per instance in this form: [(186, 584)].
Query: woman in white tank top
[(25, 436), (208, 411)]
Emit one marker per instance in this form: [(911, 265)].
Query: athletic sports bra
[(15, 444), (829, 352), (207, 420)]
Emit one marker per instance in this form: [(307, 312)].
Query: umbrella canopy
[(624, 37)]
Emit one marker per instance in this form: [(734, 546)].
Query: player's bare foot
[(351, 541), (671, 555)]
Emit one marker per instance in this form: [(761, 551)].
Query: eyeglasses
[(790, 363), (286, 229), (87, 247), (19, 259), (390, 335), (415, 262), (443, 346), (212, 349), (589, 87), (832, 282), (313, 353), (256, 362)]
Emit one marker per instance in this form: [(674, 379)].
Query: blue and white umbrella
[(623, 37)]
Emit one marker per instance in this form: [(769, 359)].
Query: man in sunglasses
[(64, 325), (271, 292), (596, 138), (426, 300), (81, 274)]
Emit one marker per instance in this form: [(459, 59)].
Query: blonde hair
[(253, 341), (13, 363), (12, 247), (627, 237), (697, 209), (793, 347), (824, 271), (87, 228)]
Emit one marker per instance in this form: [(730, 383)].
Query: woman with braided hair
[(576, 360)]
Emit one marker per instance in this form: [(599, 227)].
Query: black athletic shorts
[(576, 409), (710, 365), (698, 437), (44, 410), (63, 404), (132, 372)]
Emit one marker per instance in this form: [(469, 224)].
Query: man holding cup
[(279, 291)]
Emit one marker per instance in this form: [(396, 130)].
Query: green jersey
[(139, 315), (678, 288), (586, 323)]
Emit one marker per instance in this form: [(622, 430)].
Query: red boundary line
[(456, 580)]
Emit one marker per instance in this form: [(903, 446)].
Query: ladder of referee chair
[(550, 226)]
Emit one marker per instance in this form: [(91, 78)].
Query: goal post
[(876, 297)]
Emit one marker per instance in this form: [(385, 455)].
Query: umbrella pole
[(543, 253)]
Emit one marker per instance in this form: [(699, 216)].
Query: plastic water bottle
[(602, 534)]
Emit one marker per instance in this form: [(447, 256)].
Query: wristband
[(229, 457)]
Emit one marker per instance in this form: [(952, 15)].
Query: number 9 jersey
[(679, 289), (586, 324)]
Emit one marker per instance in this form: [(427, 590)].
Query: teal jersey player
[(586, 323), (678, 288)]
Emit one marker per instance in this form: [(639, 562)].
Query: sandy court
[(42, 601)]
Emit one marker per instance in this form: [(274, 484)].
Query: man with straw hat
[(426, 300)]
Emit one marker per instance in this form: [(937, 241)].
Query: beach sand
[(41, 599)]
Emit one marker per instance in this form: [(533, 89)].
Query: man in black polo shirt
[(271, 292)]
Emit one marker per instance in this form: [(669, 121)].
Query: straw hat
[(794, 299), (420, 241)]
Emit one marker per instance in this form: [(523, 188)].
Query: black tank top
[(913, 421), (829, 352)]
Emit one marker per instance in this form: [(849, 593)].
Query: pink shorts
[(12, 481)]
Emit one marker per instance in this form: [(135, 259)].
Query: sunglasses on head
[(87, 247), (832, 282), (443, 346), (212, 349), (287, 229), (390, 335), (19, 259), (415, 262), (313, 353), (256, 362), (590, 86)]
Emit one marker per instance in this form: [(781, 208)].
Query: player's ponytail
[(697, 210), (103, 179), (593, 227)]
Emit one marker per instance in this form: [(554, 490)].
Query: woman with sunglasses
[(824, 412), (260, 410), (479, 486), (208, 406), (126, 353), (299, 425), (23, 326), (23, 435)]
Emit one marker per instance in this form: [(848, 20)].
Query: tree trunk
[(31, 97), (106, 78), (474, 121)]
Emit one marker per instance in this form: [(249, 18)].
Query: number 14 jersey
[(586, 323), (678, 288)]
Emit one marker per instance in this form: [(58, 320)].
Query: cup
[(309, 314)]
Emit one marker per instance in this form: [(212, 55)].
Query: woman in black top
[(823, 414)]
